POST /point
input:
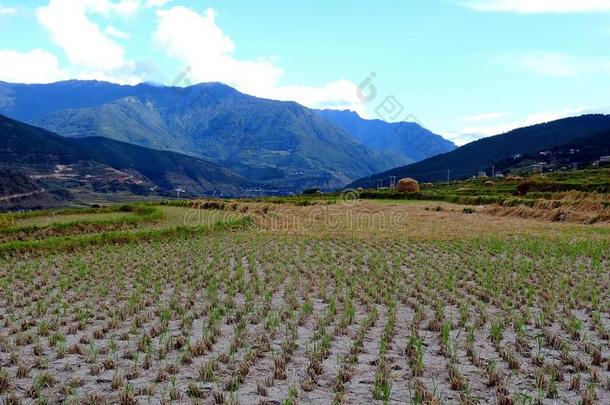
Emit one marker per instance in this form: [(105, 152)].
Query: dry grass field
[(347, 303)]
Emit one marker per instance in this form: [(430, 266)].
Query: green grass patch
[(129, 216), (71, 243)]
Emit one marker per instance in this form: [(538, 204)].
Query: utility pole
[(448, 176), (493, 171), (379, 184), (574, 166), (392, 182)]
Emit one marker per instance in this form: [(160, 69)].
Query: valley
[(304, 203)]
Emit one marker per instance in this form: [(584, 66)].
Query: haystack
[(427, 185), (407, 185), (489, 183)]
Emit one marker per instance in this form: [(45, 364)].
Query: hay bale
[(489, 183), (427, 185), (407, 185), (360, 189)]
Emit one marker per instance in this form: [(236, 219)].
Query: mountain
[(15, 183), (480, 155), (281, 144), (107, 165), (580, 152), (409, 141)]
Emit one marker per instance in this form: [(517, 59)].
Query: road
[(13, 196)]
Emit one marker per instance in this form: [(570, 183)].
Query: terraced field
[(348, 303)]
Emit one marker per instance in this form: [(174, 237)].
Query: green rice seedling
[(552, 389), (37, 349), (492, 374), (445, 333), (415, 353), (589, 395), (456, 379), (194, 391), (174, 392), (117, 381), (62, 350), (496, 332), (206, 370), (292, 397), (383, 386), (45, 380), (4, 380), (421, 395), (540, 379), (56, 338)]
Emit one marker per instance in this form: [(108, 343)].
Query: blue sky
[(462, 68)]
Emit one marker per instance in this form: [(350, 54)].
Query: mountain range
[(407, 141), (103, 164), (211, 139), (279, 146), (481, 155)]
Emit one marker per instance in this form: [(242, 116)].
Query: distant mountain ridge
[(279, 144), (407, 140), (579, 152), (46, 156), (282, 144), (480, 155)]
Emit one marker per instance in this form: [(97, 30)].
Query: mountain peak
[(408, 140)]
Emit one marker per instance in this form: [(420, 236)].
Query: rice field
[(344, 303)]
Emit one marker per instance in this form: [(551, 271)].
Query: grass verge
[(71, 243)]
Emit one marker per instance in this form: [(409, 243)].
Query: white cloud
[(483, 117), (556, 65), (156, 3), (36, 66), (113, 32), (538, 6), (92, 53), (81, 39), (7, 10), (196, 41), (124, 8), (472, 133)]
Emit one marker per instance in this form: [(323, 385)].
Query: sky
[(462, 68)]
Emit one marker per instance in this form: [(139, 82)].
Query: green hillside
[(39, 152), (480, 155), (252, 136)]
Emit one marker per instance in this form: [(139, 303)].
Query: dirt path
[(14, 196)]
